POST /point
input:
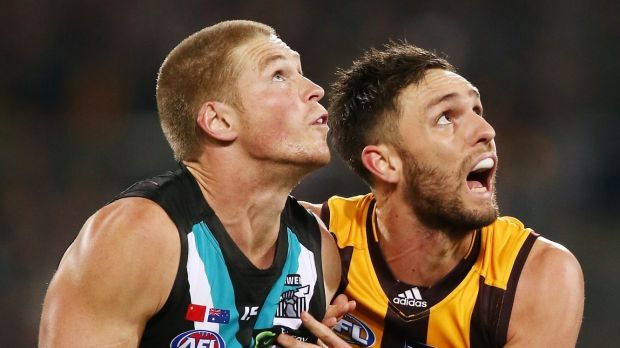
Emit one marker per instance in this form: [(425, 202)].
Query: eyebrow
[(443, 98), (266, 61)]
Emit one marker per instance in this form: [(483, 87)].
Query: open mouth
[(479, 178), (321, 120)]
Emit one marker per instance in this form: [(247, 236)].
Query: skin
[(442, 128), (98, 296), (445, 135)]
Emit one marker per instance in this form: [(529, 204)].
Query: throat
[(259, 250), (426, 263)]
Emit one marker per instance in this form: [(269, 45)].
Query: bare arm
[(548, 306), (331, 262), (112, 279)]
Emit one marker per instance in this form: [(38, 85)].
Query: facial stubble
[(434, 198)]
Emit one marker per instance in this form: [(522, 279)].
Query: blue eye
[(278, 77), (444, 120)]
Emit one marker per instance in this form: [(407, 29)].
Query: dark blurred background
[(78, 122)]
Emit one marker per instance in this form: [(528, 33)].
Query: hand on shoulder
[(311, 207)]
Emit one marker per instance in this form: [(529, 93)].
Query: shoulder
[(115, 275), (128, 222), (297, 216), (551, 264), (338, 204), (549, 299), (349, 207), (552, 261), (347, 218), (506, 241), (312, 207), (353, 201), (508, 226), (124, 247)]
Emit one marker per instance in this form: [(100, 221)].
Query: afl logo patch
[(355, 331), (198, 339)]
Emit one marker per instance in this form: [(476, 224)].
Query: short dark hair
[(363, 107)]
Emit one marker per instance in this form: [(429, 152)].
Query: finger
[(287, 341), (342, 303), (322, 332), (330, 322), (340, 300), (339, 307)]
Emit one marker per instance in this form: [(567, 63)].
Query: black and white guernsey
[(219, 298)]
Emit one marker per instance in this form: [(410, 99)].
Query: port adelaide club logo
[(293, 302)]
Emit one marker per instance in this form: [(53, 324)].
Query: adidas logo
[(411, 298)]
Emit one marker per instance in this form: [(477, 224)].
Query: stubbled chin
[(487, 212)]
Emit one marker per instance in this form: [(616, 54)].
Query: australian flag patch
[(220, 316)]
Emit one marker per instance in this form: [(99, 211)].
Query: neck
[(416, 254), (248, 201)]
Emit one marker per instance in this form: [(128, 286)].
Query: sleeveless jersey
[(219, 298), (470, 307)]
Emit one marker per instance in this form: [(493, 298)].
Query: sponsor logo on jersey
[(198, 339), (293, 302), (266, 337), (354, 331), (411, 298)]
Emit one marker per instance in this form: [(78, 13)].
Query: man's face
[(448, 153), (282, 120)]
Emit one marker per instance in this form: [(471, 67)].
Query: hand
[(337, 309), (327, 338)]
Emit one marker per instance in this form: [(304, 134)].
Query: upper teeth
[(486, 163)]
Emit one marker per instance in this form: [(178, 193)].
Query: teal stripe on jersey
[(268, 311), (222, 291)]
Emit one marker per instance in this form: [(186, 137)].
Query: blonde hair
[(200, 68)]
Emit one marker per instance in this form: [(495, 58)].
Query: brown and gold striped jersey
[(470, 307)]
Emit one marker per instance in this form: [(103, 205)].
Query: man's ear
[(382, 162), (217, 119)]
